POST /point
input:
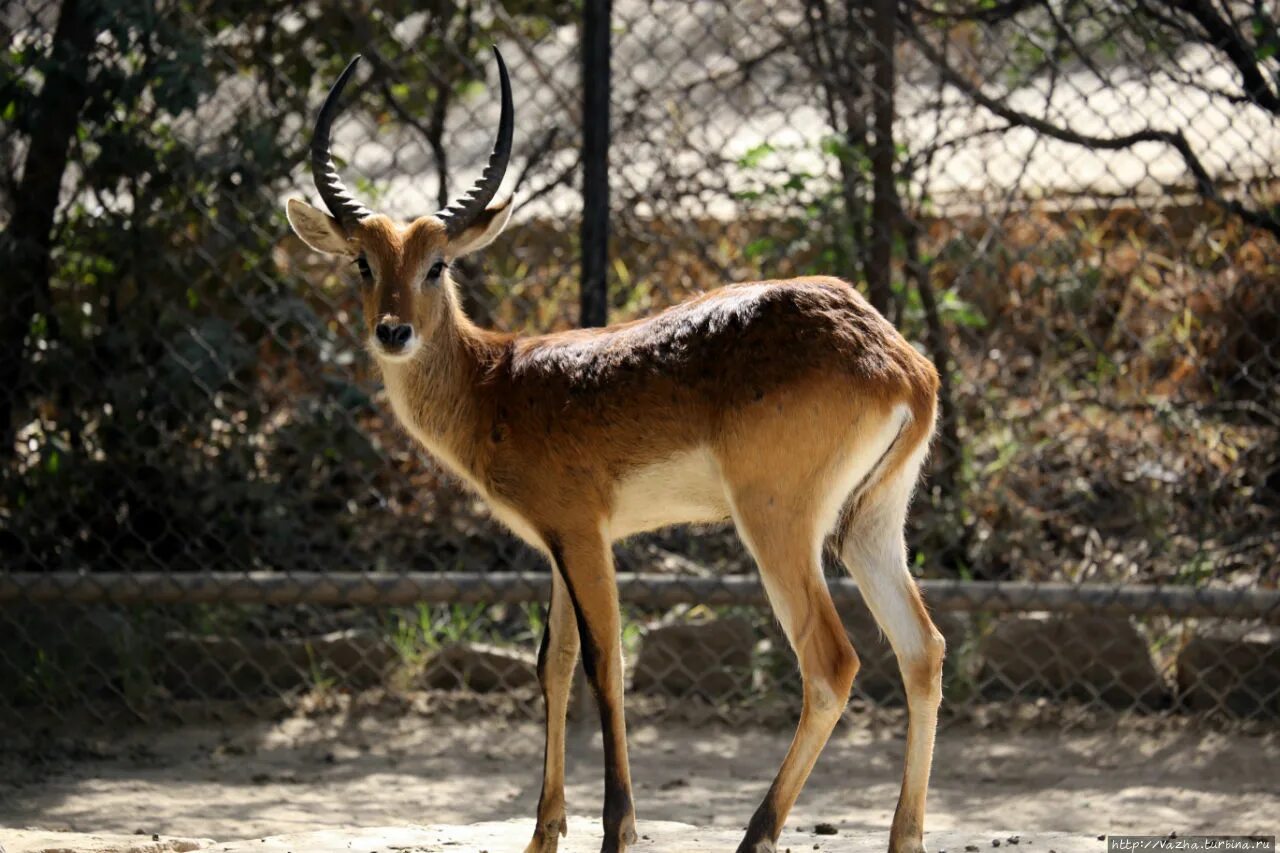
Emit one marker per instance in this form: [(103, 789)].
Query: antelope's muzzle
[(393, 336)]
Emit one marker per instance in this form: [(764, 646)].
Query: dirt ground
[(300, 774)]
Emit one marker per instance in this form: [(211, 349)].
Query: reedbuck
[(791, 407)]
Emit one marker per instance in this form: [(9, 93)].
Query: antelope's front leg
[(556, 659), (585, 564)]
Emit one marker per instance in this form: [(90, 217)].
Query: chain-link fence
[(1070, 204)]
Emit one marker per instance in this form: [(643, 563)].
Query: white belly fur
[(681, 489)]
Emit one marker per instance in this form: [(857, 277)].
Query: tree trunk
[(436, 140), (884, 205), (25, 247), (950, 452)]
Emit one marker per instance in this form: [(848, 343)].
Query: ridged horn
[(463, 210), (336, 197)]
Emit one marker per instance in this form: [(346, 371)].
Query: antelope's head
[(403, 267)]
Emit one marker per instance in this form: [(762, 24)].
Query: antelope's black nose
[(393, 336)]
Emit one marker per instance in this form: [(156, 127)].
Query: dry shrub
[(1090, 492), (1176, 303), (1240, 323)]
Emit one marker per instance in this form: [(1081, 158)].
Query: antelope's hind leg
[(788, 552), (875, 553), (556, 660)]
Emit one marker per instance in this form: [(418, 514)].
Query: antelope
[(791, 407)]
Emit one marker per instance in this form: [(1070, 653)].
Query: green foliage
[(418, 632), (815, 227), (193, 404)]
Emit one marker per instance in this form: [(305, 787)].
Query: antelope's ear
[(318, 229), (484, 230)]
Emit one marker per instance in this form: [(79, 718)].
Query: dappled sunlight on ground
[(301, 774)]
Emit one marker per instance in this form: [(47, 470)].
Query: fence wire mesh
[(1071, 205)]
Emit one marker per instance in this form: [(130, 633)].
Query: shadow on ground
[(303, 774)]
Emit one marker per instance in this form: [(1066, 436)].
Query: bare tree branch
[(1175, 139), (537, 155), (1223, 35), (431, 134)]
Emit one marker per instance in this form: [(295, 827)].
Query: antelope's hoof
[(625, 838), (763, 845), (913, 845), (546, 838)]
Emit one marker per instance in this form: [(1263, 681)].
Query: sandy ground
[(656, 836), (244, 781)]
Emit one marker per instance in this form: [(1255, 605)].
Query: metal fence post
[(595, 162)]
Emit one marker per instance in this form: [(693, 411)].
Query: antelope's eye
[(437, 270), (365, 273)]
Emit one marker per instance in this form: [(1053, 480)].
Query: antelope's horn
[(336, 197), (463, 210)]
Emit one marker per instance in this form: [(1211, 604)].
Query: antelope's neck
[(435, 398)]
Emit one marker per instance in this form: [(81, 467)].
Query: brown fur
[(557, 411), (783, 385)]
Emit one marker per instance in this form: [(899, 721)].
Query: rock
[(232, 667), (479, 667), (354, 658), (1232, 672), (1091, 658), (37, 841), (89, 646), (710, 659)]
